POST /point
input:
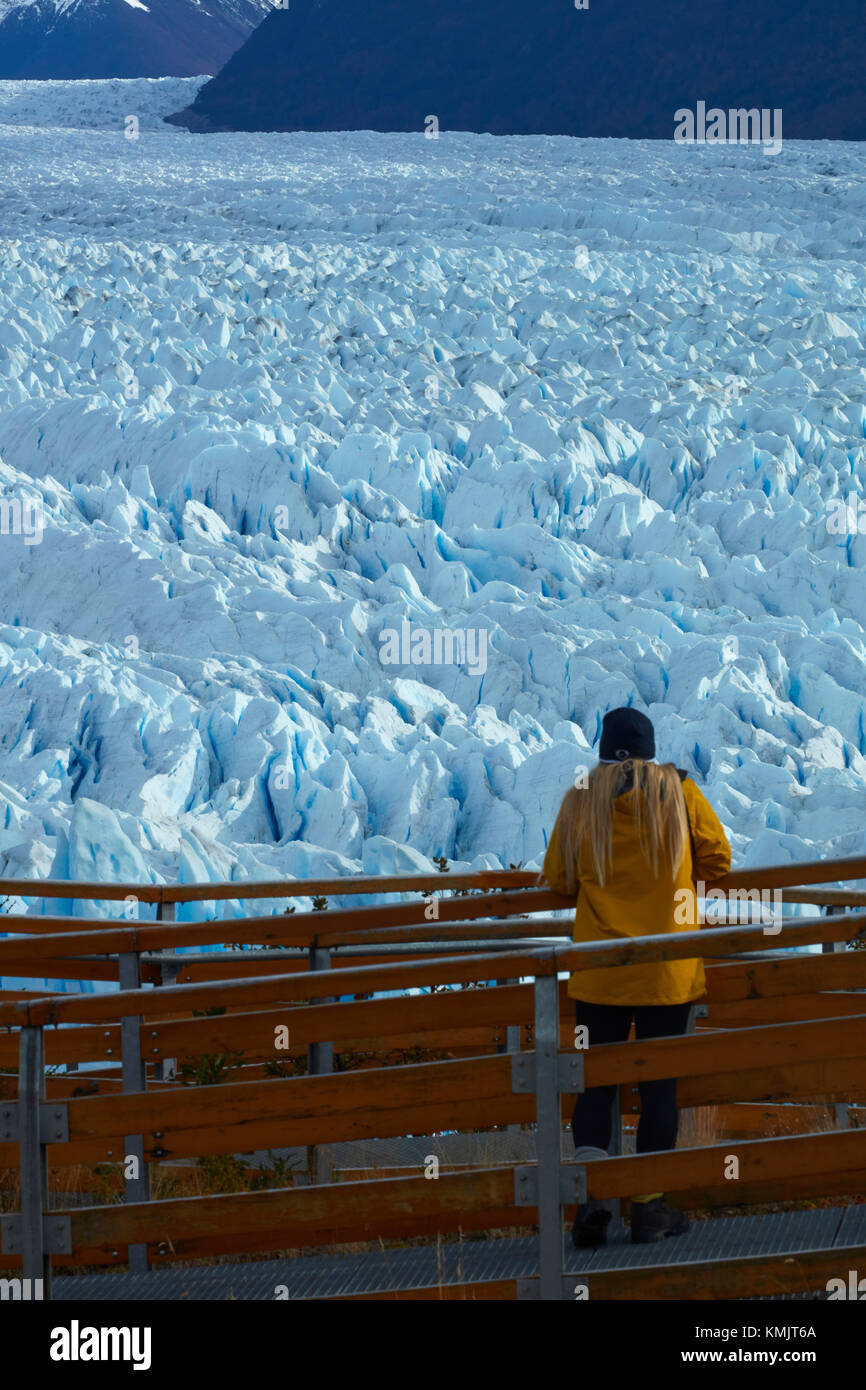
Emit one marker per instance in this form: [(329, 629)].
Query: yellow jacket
[(633, 903)]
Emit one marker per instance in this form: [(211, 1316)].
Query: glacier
[(269, 395)]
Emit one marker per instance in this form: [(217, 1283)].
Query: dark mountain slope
[(621, 68)]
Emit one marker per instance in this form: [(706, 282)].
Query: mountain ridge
[(57, 39)]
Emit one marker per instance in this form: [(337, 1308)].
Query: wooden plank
[(703, 1054), (501, 965), (710, 941), (277, 888), (355, 883), (66, 1045), (748, 1119), (768, 979), (302, 927), (380, 1056), (236, 968), (62, 1088), (59, 968), (760, 1160), (751, 1120), (341, 1211), (359, 1024), (343, 1098), (399, 922), (796, 875), (841, 1079), (747, 1276), (284, 1131), (60, 926), (270, 931), (468, 1042), (78, 1084), (791, 1008), (448, 931), (170, 1251), (813, 1186), (386, 923)]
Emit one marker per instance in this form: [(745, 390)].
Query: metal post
[(33, 1158), (136, 1189), (614, 1150), (841, 1114), (320, 1062), (511, 1044), (166, 1070), (551, 1261)]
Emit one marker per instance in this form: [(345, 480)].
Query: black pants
[(659, 1116)]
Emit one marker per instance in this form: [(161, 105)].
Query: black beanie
[(626, 733)]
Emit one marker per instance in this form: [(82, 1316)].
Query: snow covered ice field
[(264, 396)]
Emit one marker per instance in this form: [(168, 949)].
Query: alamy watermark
[(419, 646), (22, 1290), (25, 518), (77, 1343), (718, 901), (846, 516), (855, 1288), (734, 127)]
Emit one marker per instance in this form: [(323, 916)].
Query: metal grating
[(852, 1228), (726, 1238), (324, 1276)]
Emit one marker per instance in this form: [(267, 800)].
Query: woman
[(635, 836)]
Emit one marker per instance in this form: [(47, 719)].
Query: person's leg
[(659, 1113), (591, 1121), (652, 1219)]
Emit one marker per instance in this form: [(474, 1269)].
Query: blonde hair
[(661, 818)]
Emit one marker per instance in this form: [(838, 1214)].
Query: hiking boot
[(593, 1218), (590, 1225), (654, 1220)]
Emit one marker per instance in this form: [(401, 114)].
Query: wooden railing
[(783, 1028)]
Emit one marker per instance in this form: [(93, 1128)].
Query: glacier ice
[(270, 394)]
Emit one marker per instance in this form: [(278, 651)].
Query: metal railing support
[(137, 1187), (166, 1070), (511, 1044), (33, 1157), (615, 1149), (841, 1113), (548, 1137), (320, 1062)]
